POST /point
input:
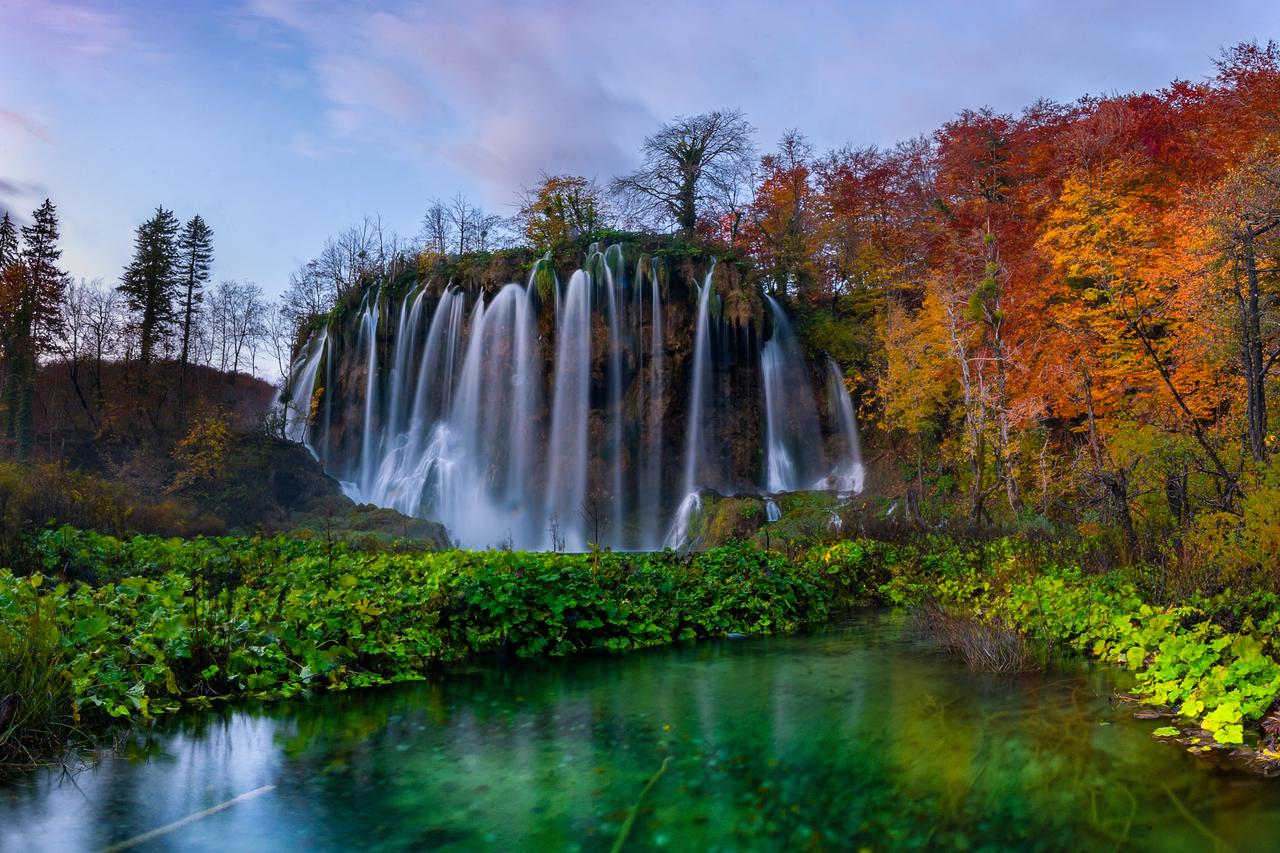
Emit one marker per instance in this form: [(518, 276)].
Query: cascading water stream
[(567, 484), (794, 456), (849, 474), (678, 537), (612, 283), (369, 436), (651, 490), (303, 385)]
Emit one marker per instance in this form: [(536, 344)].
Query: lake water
[(861, 736)]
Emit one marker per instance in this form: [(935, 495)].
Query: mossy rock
[(805, 517)]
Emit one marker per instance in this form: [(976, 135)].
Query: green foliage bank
[(121, 630)]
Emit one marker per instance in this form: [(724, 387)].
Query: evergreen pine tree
[(8, 242), (150, 283), (33, 289), (46, 283), (11, 279), (195, 245)]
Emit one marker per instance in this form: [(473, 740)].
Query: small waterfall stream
[(567, 485), (793, 439), (849, 474)]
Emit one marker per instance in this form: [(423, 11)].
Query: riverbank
[(117, 632), (1206, 666)]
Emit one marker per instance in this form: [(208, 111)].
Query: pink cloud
[(15, 122)]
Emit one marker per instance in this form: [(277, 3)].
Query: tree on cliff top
[(562, 208), (691, 166)]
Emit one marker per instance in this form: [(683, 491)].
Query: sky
[(281, 121)]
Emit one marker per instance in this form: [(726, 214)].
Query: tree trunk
[(1252, 355), (688, 210), (186, 342)]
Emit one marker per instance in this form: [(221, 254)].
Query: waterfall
[(302, 386), (615, 413), (849, 474), (406, 349), (538, 415), (369, 436), (327, 418), (567, 485), (794, 456), (772, 512), (679, 537), (651, 487), (694, 453)]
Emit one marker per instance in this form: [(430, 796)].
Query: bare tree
[(238, 324), (692, 166), (352, 255), (73, 342), (457, 226), (309, 293), (105, 327), (437, 228), (491, 233), (463, 216), (280, 328)]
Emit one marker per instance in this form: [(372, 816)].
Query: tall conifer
[(151, 282)]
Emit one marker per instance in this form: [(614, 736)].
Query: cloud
[(499, 91), (17, 197), (18, 133), (75, 31), (14, 122), (496, 91)]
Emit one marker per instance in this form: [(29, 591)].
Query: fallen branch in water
[(186, 821), (625, 831)]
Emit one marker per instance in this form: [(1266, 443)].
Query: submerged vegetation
[(134, 628)]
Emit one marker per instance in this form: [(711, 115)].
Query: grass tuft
[(37, 710), (984, 646)]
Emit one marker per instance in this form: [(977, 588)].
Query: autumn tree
[(1104, 237), (690, 167), (151, 282), (976, 182), (562, 208), (202, 453), (783, 227), (918, 387)]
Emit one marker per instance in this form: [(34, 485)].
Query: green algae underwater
[(862, 735)]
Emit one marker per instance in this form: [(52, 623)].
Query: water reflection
[(859, 736)]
